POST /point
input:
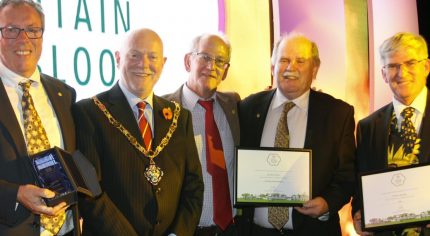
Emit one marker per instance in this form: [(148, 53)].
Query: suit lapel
[(177, 95), (120, 109), (381, 136), (260, 113), (59, 105), (161, 124), (10, 124), (425, 133), (315, 111), (230, 110)]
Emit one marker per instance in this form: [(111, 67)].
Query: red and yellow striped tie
[(144, 126)]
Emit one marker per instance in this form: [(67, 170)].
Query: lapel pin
[(258, 115), (60, 94)]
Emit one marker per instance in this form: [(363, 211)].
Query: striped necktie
[(144, 126)]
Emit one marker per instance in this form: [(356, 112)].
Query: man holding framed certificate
[(316, 121), (396, 136)]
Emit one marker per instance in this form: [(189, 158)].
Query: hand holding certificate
[(272, 176)]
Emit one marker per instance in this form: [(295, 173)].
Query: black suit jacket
[(372, 142), (330, 135), (15, 168), (129, 204)]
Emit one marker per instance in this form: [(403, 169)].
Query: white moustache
[(290, 75)]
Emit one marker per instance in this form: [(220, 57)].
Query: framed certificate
[(395, 198), (272, 176)]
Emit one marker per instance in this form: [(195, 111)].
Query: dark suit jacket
[(330, 135), (372, 142), (129, 204), (15, 167)]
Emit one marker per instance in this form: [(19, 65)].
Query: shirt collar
[(191, 98), (419, 103), (132, 99), (12, 79), (301, 102)]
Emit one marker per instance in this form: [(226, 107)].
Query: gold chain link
[(149, 153)]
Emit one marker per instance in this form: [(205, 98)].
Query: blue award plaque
[(65, 174)]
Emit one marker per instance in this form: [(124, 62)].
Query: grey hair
[(294, 35), (403, 40), (196, 41), (35, 5)]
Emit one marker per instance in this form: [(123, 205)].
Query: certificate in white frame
[(272, 176), (395, 198)]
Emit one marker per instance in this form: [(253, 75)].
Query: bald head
[(139, 36), (141, 61)]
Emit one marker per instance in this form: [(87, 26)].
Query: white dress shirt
[(190, 102), (133, 100), (419, 104), (297, 122)]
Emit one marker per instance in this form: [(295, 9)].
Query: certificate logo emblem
[(273, 159), (398, 179)]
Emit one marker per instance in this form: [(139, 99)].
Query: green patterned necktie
[(37, 141), (278, 216)]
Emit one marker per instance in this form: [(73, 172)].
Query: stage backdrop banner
[(81, 38)]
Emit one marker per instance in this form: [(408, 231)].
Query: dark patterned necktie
[(37, 141), (144, 126), (278, 216), (407, 129), (216, 167)]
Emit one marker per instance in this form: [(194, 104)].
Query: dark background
[(423, 22)]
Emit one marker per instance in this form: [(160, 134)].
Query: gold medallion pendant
[(153, 173)]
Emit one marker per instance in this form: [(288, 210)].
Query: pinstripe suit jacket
[(129, 204)]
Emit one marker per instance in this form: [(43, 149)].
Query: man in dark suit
[(317, 121), (379, 142), (208, 64), (148, 188), (22, 24)]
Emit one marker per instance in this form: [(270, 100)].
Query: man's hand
[(314, 208), (31, 197), (357, 225)]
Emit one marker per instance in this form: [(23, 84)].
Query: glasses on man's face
[(11, 32), (204, 57), (394, 68)]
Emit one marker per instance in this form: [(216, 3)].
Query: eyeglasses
[(11, 32), (394, 68), (219, 62)]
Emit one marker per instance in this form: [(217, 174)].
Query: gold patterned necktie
[(37, 141), (407, 129), (278, 216)]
